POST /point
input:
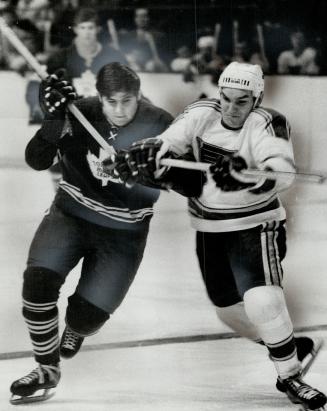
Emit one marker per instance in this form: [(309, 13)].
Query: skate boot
[(42, 378), (70, 343), (301, 393), (307, 350)]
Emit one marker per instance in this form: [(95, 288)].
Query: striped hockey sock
[(42, 322), (284, 356)]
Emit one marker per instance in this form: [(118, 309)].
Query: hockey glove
[(266, 185), (138, 164), (143, 165), (226, 172), (55, 93), (119, 166), (143, 158)]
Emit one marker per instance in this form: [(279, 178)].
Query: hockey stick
[(304, 176), (113, 33), (41, 72)]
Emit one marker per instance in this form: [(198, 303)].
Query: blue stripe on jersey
[(276, 124), (197, 209)]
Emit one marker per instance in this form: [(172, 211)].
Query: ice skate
[(303, 394), (307, 351), (70, 343), (36, 386)]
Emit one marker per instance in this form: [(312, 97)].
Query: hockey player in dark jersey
[(239, 219), (86, 55), (82, 59), (94, 218)]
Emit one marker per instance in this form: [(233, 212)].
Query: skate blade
[(16, 399), (308, 409), (307, 362)]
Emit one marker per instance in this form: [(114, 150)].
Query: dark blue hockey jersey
[(86, 191)]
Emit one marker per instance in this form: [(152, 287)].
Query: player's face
[(120, 108), (86, 31), (236, 105)]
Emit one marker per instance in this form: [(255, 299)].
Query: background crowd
[(188, 37)]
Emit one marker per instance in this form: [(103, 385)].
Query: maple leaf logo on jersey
[(96, 168), (85, 84)]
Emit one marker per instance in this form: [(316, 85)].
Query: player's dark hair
[(116, 77), (86, 14)]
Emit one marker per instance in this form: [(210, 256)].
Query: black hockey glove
[(137, 164), (119, 166), (55, 93), (267, 184), (142, 158), (224, 172)]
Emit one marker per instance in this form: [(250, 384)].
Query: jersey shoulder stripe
[(275, 123), (209, 104)]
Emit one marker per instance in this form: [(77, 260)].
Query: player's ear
[(139, 95)]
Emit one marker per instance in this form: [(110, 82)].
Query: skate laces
[(307, 392), (303, 390), (70, 340), (39, 374)]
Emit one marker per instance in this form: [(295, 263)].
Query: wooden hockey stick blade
[(41, 72), (194, 165)]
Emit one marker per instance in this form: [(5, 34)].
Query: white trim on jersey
[(239, 209), (237, 224), (119, 214)]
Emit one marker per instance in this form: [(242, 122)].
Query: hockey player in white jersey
[(239, 221)]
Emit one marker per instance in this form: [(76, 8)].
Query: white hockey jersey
[(263, 141)]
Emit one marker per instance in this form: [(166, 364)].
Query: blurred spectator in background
[(144, 47), (31, 37), (301, 59), (204, 55), (244, 54), (182, 61), (9, 16), (85, 57), (32, 10), (276, 38), (60, 31), (206, 60)]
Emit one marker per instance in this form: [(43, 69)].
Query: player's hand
[(265, 185), (226, 172), (138, 163), (142, 159), (55, 93), (118, 165)]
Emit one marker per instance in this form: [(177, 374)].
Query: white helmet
[(243, 76)]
